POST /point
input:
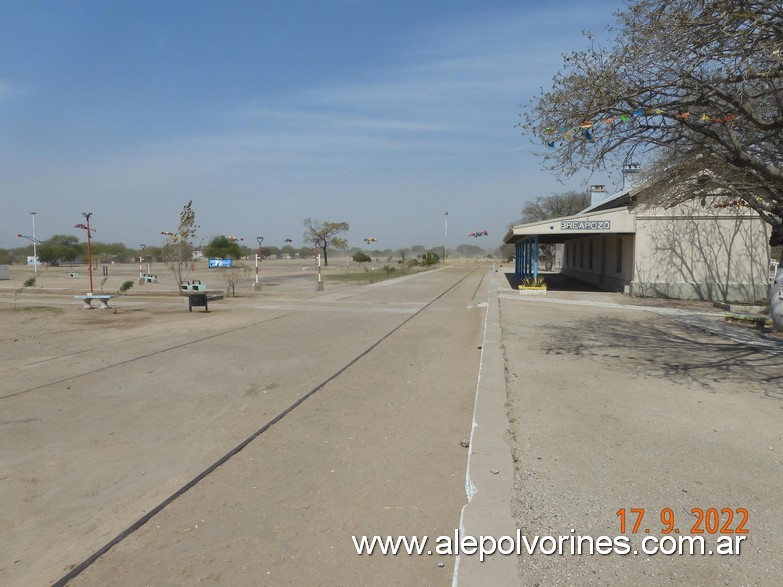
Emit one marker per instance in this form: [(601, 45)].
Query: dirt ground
[(613, 403), (107, 413), (617, 408)]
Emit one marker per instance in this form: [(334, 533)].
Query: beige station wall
[(701, 252)]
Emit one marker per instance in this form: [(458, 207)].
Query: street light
[(32, 239), (89, 245), (35, 251), (260, 252), (445, 236)]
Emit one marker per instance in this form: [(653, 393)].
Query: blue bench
[(148, 278), (103, 300), (194, 285)]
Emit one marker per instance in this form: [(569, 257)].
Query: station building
[(707, 249)]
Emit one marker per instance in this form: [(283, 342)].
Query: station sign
[(586, 225)]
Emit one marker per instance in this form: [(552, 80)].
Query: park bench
[(149, 278), (194, 285), (103, 300), (201, 300), (73, 274)]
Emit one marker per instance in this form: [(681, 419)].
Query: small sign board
[(220, 263)]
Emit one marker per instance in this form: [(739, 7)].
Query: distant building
[(695, 250)]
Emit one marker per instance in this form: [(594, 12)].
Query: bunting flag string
[(587, 128)]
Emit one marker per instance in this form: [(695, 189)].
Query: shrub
[(30, 282), (362, 257), (126, 285), (430, 258), (534, 282)]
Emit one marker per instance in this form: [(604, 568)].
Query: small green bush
[(30, 282), (430, 258), (126, 285), (362, 257)]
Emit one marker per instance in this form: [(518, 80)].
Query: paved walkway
[(616, 403)]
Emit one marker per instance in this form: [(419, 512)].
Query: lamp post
[(89, 244), (259, 253), (445, 237), (35, 250), (32, 239), (141, 262)]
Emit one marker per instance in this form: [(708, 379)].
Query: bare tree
[(694, 84), (553, 206), (324, 235), (232, 276), (178, 250)]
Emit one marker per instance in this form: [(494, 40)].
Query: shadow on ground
[(555, 282), (673, 351)]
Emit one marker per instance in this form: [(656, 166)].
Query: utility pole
[(35, 250)]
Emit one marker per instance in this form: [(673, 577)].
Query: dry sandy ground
[(616, 408), (106, 413), (609, 408)]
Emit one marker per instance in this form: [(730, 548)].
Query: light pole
[(89, 245), (35, 251), (259, 253), (319, 286), (445, 236)]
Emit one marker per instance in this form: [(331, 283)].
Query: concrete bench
[(194, 285), (103, 300), (148, 278), (201, 300), (73, 274)]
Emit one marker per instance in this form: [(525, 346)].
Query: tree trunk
[(776, 299), (326, 260)]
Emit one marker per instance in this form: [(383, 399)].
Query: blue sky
[(382, 114)]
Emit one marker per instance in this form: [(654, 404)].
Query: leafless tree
[(178, 250), (553, 206), (325, 234), (691, 83)]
